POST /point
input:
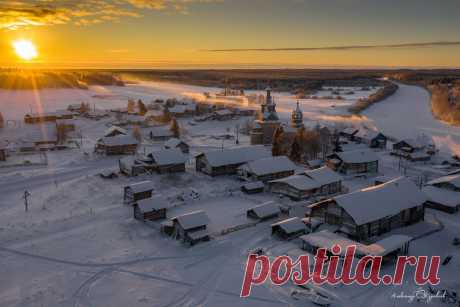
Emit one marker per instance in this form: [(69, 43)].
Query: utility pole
[(26, 200)]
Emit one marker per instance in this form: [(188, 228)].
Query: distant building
[(267, 169), (373, 211), (168, 160), (177, 143), (253, 187), (354, 162), (34, 118), (137, 191), (227, 161), (150, 209), (117, 145), (161, 134), (289, 228), (297, 117), (267, 122), (264, 211), (373, 139), (444, 193), (114, 131), (191, 227)]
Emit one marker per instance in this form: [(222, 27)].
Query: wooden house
[(373, 211), (224, 114), (178, 111), (130, 166), (137, 191), (34, 118), (267, 169), (191, 227), (151, 209), (177, 143), (117, 145), (408, 145), (264, 211), (168, 160), (227, 161), (354, 162), (319, 182), (289, 228)]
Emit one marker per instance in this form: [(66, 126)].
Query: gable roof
[(168, 156), (299, 182), (192, 219), (323, 175), (291, 225), (269, 165), (266, 209), (154, 203), (173, 142), (442, 196), (119, 140), (113, 129), (161, 131), (236, 155), (452, 179), (373, 203), (357, 156), (142, 186)]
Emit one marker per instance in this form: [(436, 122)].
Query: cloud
[(339, 48), (30, 13)]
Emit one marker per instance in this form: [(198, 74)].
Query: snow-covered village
[(154, 194), (221, 153)]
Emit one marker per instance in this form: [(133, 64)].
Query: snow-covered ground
[(78, 245)]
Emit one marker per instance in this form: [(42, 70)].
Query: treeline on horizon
[(27, 79)]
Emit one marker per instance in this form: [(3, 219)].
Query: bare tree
[(175, 128), (137, 134)]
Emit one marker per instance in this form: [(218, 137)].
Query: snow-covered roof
[(236, 155), (373, 203), (119, 140), (367, 134), (266, 209), (386, 245), (452, 179), (269, 165), (357, 156), (413, 143), (299, 182), (178, 109), (197, 235), (168, 156), (192, 219), (154, 203), (142, 186), (291, 225), (254, 185), (349, 130), (153, 113), (224, 112), (113, 129), (161, 131), (442, 196), (323, 175), (173, 142)]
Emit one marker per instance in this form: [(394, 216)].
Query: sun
[(25, 49)]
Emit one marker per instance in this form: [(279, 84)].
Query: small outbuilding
[(442, 199), (253, 187), (137, 191), (289, 228), (151, 209), (264, 211), (191, 227)]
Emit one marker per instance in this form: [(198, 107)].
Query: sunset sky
[(199, 33)]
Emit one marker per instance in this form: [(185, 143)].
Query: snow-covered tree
[(175, 128), (277, 146)]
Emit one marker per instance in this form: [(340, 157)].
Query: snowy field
[(78, 245)]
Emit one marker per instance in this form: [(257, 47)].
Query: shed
[(253, 187), (151, 209), (137, 191), (267, 169), (264, 211), (191, 227), (289, 228), (442, 199)]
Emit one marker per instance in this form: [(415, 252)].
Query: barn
[(168, 160), (227, 161), (354, 162), (150, 209), (289, 228), (117, 145), (137, 191), (375, 210), (319, 182), (191, 227), (264, 211), (267, 169), (177, 143)]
